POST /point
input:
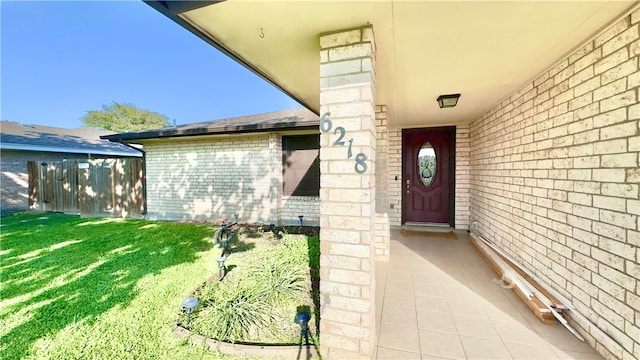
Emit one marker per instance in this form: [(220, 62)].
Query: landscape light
[(302, 319), (221, 261), (189, 304)]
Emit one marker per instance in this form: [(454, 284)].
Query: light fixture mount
[(448, 101)]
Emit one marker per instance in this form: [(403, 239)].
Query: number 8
[(361, 165)]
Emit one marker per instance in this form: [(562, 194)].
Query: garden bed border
[(244, 350)]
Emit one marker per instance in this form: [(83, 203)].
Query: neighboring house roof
[(295, 119), (16, 136)]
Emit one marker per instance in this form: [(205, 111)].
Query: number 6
[(325, 122)]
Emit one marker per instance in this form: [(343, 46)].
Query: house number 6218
[(326, 126)]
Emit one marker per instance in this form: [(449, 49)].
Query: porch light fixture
[(447, 101), (189, 304)]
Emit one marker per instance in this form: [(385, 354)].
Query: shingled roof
[(16, 136), (296, 119)]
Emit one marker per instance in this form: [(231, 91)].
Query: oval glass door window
[(427, 164)]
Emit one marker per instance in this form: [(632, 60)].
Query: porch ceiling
[(483, 50)]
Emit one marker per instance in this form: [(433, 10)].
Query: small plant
[(279, 282), (233, 314)]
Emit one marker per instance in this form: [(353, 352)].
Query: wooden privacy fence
[(101, 187)]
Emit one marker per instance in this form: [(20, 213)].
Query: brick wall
[(395, 177), (463, 187), (208, 180), (555, 181), (382, 182), (219, 177), (14, 182), (293, 206)]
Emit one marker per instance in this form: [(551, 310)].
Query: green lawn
[(98, 288)]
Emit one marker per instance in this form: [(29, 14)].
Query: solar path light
[(225, 243), (302, 319), (189, 304), (221, 268)]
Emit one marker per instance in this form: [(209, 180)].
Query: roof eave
[(70, 150), (239, 129)]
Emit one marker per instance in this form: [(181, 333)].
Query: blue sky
[(62, 59)]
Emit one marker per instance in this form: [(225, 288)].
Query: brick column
[(383, 235), (347, 194)]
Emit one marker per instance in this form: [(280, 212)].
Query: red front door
[(429, 169)]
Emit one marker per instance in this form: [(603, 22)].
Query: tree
[(124, 117)]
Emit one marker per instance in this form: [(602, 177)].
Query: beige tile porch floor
[(436, 299)]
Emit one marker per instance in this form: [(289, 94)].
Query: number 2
[(342, 132)]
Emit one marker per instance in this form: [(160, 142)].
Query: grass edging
[(244, 351)]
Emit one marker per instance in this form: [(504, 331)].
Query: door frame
[(452, 171)]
